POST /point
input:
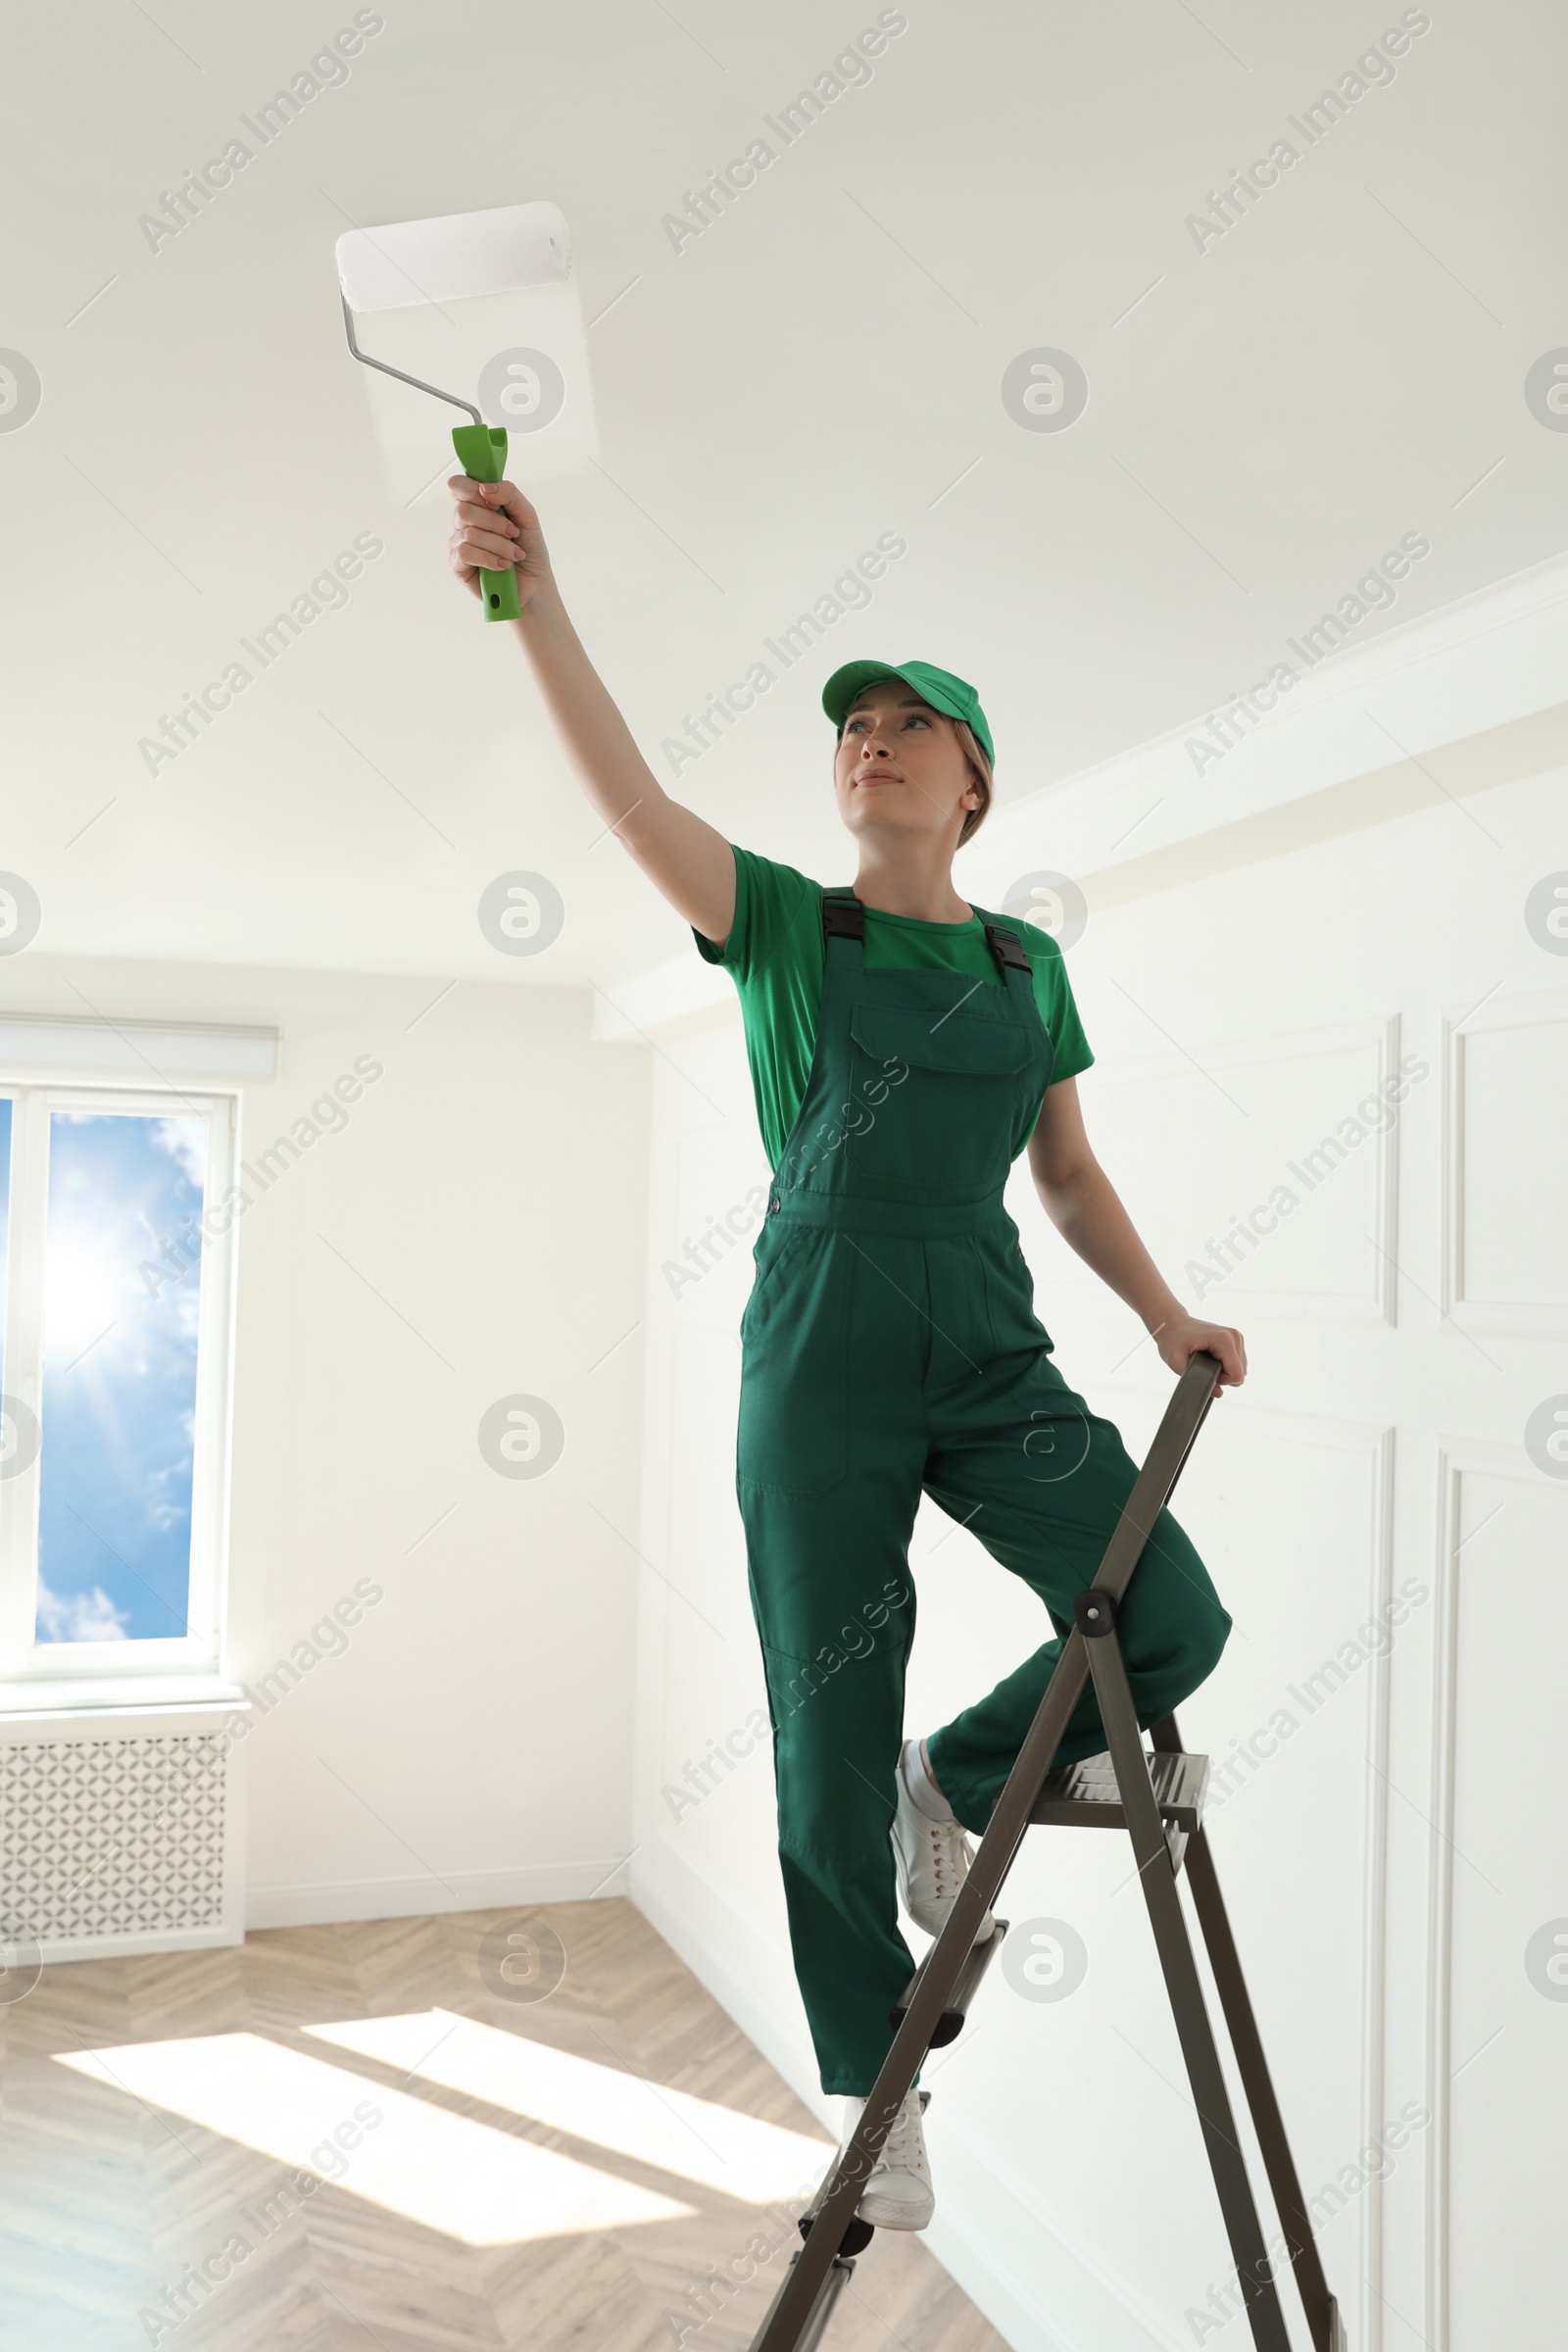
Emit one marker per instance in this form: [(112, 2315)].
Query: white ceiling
[(1344, 366)]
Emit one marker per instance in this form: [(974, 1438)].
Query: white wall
[(1244, 982), (475, 1231)]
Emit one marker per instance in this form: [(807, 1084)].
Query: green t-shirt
[(775, 955)]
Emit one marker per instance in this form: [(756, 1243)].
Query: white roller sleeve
[(406, 262)]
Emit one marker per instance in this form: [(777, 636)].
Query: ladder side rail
[(1172, 1443), (933, 1990), (1165, 1916), (1252, 2063), (797, 2291)]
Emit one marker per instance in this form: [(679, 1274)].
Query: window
[(116, 1277)]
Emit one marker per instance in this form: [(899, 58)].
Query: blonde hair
[(973, 751)]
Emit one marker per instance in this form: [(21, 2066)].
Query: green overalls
[(890, 1345)]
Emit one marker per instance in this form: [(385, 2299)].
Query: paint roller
[(409, 263)]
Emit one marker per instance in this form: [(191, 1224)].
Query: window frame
[(29, 1666)]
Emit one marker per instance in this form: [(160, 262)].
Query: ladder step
[(950, 2024), (1084, 1796), (857, 2234)]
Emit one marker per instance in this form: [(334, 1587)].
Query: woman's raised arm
[(686, 858)]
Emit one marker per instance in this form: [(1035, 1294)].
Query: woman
[(904, 1048)]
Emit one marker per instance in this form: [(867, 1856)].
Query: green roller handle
[(482, 454)]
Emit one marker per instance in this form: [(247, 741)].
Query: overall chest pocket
[(935, 1098)]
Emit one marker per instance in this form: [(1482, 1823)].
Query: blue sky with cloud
[(119, 1378)]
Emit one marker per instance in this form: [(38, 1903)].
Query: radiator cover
[(119, 1839)]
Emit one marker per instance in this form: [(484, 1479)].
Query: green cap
[(938, 687)]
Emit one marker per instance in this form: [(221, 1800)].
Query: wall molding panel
[(1519, 1236), (1459, 1460), (1308, 1156)]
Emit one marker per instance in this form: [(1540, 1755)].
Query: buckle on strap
[(842, 916), (1008, 947)]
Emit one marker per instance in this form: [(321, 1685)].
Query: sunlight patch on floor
[(466, 2178), (704, 2142)]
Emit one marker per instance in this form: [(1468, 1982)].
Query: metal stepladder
[(1157, 1795)]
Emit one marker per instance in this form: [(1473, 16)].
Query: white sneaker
[(897, 2193), (932, 1860)]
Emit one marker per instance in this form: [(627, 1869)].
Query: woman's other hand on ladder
[(1184, 1334)]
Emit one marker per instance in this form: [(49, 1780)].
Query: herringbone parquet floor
[(337, 2138)]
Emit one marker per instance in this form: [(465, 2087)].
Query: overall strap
[(843, 927), (1008, 949), (1011, 957)]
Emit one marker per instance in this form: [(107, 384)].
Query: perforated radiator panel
[(112, 1836)]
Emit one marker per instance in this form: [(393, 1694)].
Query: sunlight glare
[(704, 2142), (79, 1295), (473, 2183)]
